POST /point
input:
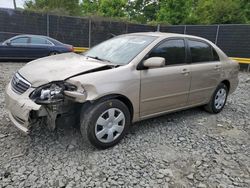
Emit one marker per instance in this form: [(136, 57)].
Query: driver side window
[(172, 50)]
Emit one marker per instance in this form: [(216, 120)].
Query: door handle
[(185, 71)]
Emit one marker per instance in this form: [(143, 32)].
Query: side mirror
[(154, 62)]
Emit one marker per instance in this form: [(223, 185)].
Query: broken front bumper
[(19, 108)]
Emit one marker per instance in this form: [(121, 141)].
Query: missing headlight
[(51, 93)]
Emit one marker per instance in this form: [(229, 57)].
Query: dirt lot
[(186, 149)]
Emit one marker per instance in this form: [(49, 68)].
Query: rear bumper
[(19, 108), (234, 82)]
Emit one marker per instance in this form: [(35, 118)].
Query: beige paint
[(163, 89), (58, 67), (154, 62), (152, 92)]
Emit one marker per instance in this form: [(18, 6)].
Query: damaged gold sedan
[(123, 80)]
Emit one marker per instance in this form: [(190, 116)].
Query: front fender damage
[(79, 95), (64, 112), (68, 110)]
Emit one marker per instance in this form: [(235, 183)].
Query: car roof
[(28, 35), (167, 35), (42, 36), (156, 34), (162, 34)]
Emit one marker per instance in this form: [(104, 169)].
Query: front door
[(165, 88), (17, 48)]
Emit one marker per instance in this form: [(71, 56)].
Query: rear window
[(201, 51)]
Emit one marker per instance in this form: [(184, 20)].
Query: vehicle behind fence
[(234, 40)]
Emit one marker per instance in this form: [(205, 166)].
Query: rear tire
[(105, 123), (53, 53), (218, 100)]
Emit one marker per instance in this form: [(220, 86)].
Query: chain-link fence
[(234, 40)]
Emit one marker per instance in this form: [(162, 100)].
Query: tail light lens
[(71, 48)]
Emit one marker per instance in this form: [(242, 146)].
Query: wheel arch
[(53, 51), (120, 97), (227, 83)]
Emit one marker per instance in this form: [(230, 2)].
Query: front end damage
[(19, 109), (50, 104), (53, 114)]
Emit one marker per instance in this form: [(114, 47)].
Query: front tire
[(105, 123), (218, 100)]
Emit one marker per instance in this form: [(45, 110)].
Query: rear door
[(205, 70), (40, 46), (165, 88)]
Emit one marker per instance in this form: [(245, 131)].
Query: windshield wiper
[(98, 58)]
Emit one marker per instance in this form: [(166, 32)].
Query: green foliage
[(114, 8), (107, 8), (90, 7), (220, 12), (61, 7), (151, 11), (142, 11), (245, 7), (173, 11)]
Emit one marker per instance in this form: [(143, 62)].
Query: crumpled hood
[(56, 68)]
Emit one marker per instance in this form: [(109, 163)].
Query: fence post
[(217, 34), (126, 27), (185, 29), (48, 25), (158, 27), (89, 32)]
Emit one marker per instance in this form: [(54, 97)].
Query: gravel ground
[(185, 149)]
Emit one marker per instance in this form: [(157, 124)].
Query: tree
[(220, 12), (114, 8), (174, 11), (107, 8), (245, 7), (157, 11), (142, 11), (64, 7), (90, 7)]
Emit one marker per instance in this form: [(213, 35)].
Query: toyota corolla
[(120, 81)]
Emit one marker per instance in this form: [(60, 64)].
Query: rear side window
[(172, 50), (200, 51), (37, 40), (21, 40)]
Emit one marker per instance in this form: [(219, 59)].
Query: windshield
[(120, 50)]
